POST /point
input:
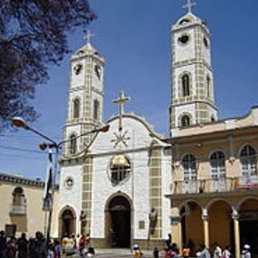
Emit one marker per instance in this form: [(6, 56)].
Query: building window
[(186, 85), (119, 169), (248, 161), (96, 110), (19, 202), (185, 121), (73, 144), (217, 162), (76, 108), (97, 71), (189, 166), (208, 82)]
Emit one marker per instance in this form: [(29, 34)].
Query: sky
[(134, 38)]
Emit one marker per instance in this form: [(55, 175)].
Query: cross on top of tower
[(189, 5), (88, 36)]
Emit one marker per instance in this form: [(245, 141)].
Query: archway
[(118, 222), (221, 224), (192, 225), (67, 222), (248, 223)]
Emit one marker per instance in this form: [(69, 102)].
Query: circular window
[(205, 42), (69, 183), (184, 39), (119, 169)]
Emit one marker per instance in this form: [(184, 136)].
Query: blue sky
[(134, 38)]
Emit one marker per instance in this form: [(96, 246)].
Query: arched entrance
[(248, 223), (221, 224), (118, 222), (67, 222), (192, 225)]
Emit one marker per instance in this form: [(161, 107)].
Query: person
[(137, 251), (22, 246), (91, 252), (11, 247), (155, 252), (82, 244), (38, 246), (57, 249), (169, 240), (186, 251), (217, 253), (226, 253), (2, 244), (69, 246), (204, 253), (167, 252), (246, 251)]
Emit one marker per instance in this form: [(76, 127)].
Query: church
[(130, 185), (123, 183)]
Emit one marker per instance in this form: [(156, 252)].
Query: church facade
[(130, 185), (123, 183)]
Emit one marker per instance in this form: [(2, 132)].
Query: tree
[(33, 36)]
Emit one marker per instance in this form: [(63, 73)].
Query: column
[(235, 217), (205, 218)]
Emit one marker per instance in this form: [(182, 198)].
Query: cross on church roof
[(189, 5), (88, 36), (121, 100)]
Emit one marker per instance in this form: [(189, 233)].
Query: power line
[(21, 149)]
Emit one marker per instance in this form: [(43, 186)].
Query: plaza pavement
[(119, 253)]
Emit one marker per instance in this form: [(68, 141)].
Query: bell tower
[(85, 103), (192, 100)]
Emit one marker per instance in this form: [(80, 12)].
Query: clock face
[(183, 39), (69, 183), (97, 70), (206, 42), (77, 68)]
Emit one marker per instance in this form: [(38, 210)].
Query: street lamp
[(48, 198)]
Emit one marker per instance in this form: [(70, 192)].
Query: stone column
[(205, 218), (235, 217)]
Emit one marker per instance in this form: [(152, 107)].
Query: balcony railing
[(18, 209), (214, 185)]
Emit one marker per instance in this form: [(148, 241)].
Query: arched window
[(19, 201), (185, 121), (186, 85), (73, 144), (96, 109), (189, 165), (208, 85), (248, 161), (217, 162), (76, 108)]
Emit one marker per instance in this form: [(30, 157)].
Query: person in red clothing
[(82, 244)]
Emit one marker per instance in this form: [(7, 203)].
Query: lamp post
[(52, 144)]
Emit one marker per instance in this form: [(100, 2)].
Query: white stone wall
[(184, 51), (166, 189), (78, 79), (71, 197)]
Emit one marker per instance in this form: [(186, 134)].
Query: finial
[(88, 36), (189, 5)]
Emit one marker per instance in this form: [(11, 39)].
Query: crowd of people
[(37, 247)]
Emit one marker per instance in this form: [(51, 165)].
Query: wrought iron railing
[(18, 209), (224, 184)]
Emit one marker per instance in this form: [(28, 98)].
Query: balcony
[(214, 185), (18, 209)]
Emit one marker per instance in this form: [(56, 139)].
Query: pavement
[(118, 253)]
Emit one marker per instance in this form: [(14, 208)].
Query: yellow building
[(21, 202), (214, 193)]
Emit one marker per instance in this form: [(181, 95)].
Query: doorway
[(119, 222), (67, 223)]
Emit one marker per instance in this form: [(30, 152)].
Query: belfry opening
[(118, 222)]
